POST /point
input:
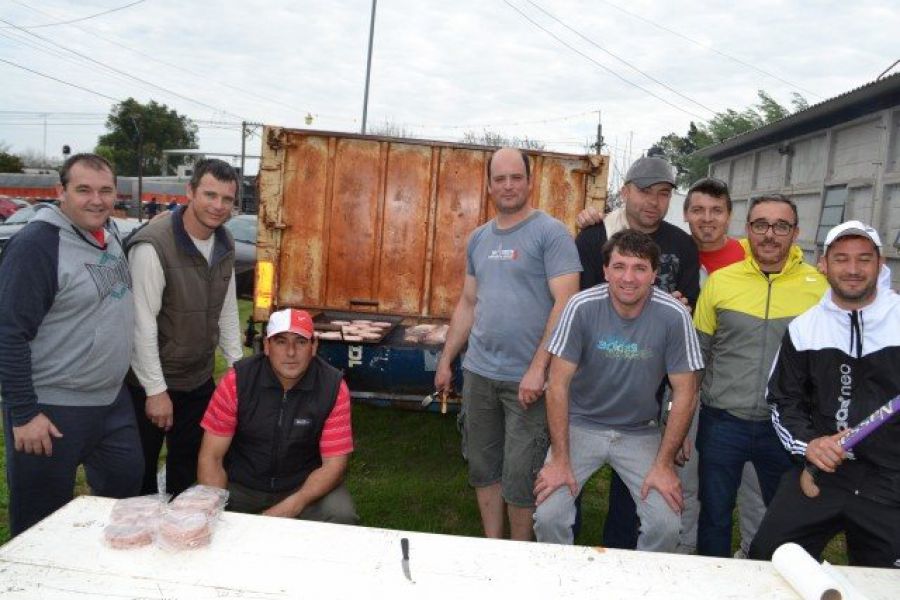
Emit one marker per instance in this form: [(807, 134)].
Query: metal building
[(838, 160)]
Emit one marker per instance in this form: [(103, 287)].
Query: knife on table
[(404, 547)]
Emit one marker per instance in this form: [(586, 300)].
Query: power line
[(15, 37), (599, 64), (248, 93), (114, 69), (9, 62), (69, 22), (708, 47), (95, 115), (38, 112), (619, 58)]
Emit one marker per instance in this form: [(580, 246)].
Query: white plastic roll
[(804, 574)]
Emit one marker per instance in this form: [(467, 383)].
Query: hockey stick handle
[(875, 420), (854, 436)]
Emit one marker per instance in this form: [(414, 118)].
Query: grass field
[(407, 473)]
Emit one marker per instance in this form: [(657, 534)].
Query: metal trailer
[(371, 225)]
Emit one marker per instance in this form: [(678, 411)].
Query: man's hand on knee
[(35, 437), (664, 480), (552, 476)]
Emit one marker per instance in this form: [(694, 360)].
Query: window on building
[(832, 211)]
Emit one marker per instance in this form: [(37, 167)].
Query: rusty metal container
[(362, 223)]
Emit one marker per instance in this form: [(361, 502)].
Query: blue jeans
[(725, 443)]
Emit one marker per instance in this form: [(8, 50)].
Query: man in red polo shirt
[(277, 430)]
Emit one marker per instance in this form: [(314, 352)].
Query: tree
[(10, 163), (679, 150), (161, 129), (493, 138)]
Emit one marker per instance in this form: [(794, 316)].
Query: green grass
[(407, 473)]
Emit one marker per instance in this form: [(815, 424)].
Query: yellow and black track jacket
[(741, 316)]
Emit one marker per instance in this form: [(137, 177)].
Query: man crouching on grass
[(611, 349), (277, 430)]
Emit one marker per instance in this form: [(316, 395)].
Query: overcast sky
[(439, 68)]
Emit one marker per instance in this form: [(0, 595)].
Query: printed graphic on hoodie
[(111, 276)]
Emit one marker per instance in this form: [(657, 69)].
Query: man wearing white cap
[(277, 430), (838, 363)]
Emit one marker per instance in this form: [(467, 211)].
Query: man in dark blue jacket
[(66, 331), (837, 364)]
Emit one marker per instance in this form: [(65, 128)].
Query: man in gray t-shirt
[(521, 268), (612, 347)]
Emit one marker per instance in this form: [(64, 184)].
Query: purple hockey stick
[(854, 436)]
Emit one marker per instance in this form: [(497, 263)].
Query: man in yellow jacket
[(741, 316)]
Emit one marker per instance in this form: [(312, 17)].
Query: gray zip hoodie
[(66, 317)]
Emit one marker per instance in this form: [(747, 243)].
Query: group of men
[(107, 350), (627, 361)]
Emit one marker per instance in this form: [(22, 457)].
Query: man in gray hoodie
[(66, 332)]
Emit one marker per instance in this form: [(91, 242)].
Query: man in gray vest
[(182, 265)]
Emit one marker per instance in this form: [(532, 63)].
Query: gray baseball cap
[(648, 170)]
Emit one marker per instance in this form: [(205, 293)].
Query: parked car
[(8, 206), (243, 229), (21, 217), (17, 221)]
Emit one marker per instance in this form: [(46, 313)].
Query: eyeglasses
[(761, 227)]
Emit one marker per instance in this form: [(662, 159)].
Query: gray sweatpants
[(631, 455)]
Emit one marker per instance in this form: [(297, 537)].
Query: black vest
[(276, 444)]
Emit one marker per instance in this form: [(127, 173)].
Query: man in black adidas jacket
[(838, 362)]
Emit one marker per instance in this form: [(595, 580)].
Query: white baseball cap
[(857, 228), (290, 320)]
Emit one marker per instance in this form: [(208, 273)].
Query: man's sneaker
[(740, 553)]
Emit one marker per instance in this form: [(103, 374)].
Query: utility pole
[(598, 146), (139, 141), (243, 155), (44, 157), (368, 67)]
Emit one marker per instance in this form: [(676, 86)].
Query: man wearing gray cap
[(837, 364), (648, 188), (647, 191)]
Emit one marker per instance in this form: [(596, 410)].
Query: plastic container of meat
[(125, 536), (184, 530), (138, 509), (209, 499)]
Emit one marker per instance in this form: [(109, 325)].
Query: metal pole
[(368, 66), (140, 176), (243, 153), (46, 163), (139, 140)]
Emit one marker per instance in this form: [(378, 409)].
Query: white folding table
[(266, 558)]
